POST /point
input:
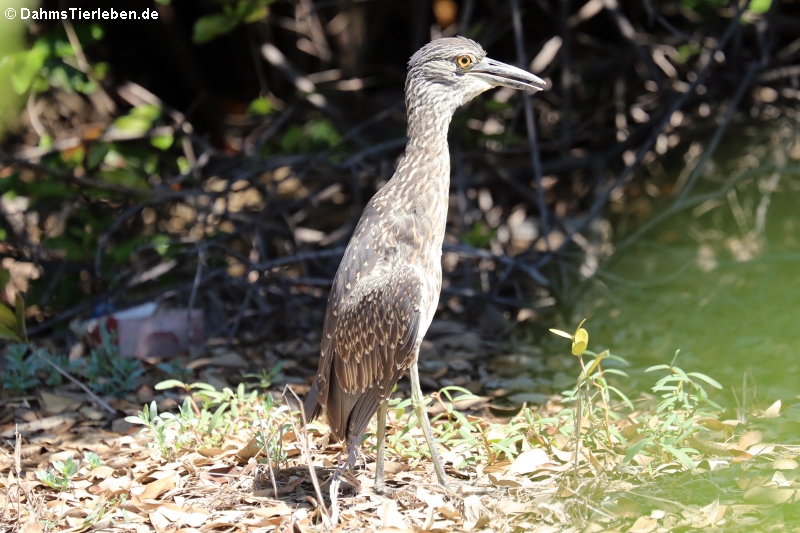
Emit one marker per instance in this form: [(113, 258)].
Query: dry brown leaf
[(432, 500), (627, 508), (749, 438), (448, 511), (158, 487), (762, 448), (783, 463), (774, 410), (709, 515), (475, 515), (508, 507), (502, 481), (55, 404), (643, 524), (32, 527), (708, 446), (280, 509), (159, 521), (391, 517), (770, 495), (210, 452), (714, 424), (500, 467), (115, 484), (101, 472), (249, 450), (529, 461)]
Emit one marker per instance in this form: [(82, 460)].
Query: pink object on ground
[(143, 331)]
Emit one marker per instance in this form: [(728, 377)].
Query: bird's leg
[(380, 480), (418, 403)]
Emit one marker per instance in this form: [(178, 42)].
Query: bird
[(386, 289)]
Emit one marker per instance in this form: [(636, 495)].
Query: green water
[(715, 286)]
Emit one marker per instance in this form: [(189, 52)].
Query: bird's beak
[(501, 74)]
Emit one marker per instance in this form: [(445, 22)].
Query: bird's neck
[(428, 120)]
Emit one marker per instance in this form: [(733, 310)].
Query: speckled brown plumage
[(387, 287)]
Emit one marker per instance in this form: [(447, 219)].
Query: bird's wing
[(371, 327), (375, 348)]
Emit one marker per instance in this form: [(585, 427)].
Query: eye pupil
[(464, 61)]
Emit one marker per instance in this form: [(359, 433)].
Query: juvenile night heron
[(387, 287)]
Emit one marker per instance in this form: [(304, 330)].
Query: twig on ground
[(102, 403), (302, 439)]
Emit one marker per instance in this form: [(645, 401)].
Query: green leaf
[(7, 317), (5, 277), (621, 396), (580, 342), (203, 386), (133, 124), (162, 142), (211, 26), (760, 6), (681, 456), (256, 13), (594, 363), (6, 333), (27, 66), (217, 416), (636, 448), (260, 106), (124, 177), (170, 384), (714, 383), (97, 154), (561, 333), (22, 330)]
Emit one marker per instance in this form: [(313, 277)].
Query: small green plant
[(664, 433), (471, 438), (267, 377), (19, 375), (234, 12), (592, 395), (60, 475), (157, 425), (92, 459), (207, 415), (52, 62), (107, 371)]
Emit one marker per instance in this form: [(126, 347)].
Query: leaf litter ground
[(245, 467)]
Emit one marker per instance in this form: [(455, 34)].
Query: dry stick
[(64, 373), (273, 128), (466, 16), (536, 160), (266, 451), (85, 182), (729, 114), (566, 77), (240, 314), (304, 446), (602, 198)]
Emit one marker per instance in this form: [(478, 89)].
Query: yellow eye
[(464, 61)]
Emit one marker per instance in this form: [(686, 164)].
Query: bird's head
[(455, 70)]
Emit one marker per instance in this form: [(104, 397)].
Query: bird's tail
[(311, 406)]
